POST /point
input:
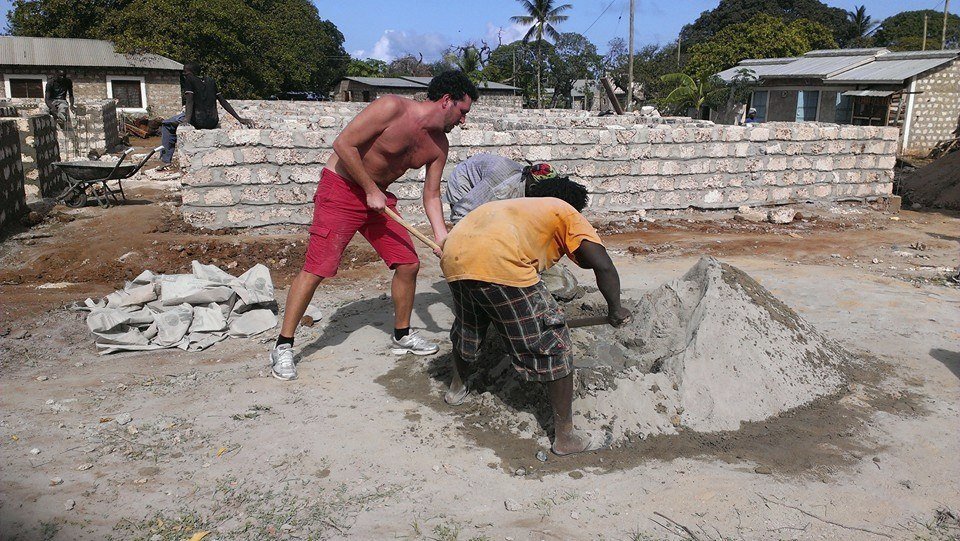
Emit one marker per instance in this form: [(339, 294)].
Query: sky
[(387, 29)]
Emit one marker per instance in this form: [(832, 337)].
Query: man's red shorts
[(340, 210)]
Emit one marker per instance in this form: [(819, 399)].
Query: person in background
[(200, 99)]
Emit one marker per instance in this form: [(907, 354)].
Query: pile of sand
[(705, 352), (935, 185)]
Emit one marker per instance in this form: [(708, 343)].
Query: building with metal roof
[(367, 89), (140, 83), (918, 91)]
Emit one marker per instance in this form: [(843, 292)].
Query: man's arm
[(591, 255), (431, 198), (229, 108), (47, 95), (70, 93), (364, 128)]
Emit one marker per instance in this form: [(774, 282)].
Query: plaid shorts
[(528, 319)]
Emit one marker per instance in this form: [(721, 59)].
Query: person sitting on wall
[(59, 99), (200, 98)]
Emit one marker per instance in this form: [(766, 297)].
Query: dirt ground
[(361, 446)]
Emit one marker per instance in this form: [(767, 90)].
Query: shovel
[(587, 321), (433, 245)]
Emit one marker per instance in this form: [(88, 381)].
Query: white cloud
[(505, 34), (396, 43)]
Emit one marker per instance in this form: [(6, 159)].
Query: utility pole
[(680, 35), (630, 67), (924, 33), (943, 36)]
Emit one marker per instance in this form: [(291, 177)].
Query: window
[(130, 92), (25, 87), (759, 102), (844, 109), (127, 94), (807, 101)]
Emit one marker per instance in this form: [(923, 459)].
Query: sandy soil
[(362, 447)]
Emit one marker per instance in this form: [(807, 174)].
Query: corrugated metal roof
[(421, 80), (760, 67), (66, 52), (895, 68), (869, 93), (485, 85), (491, 85), (388, 82), (825, 64)]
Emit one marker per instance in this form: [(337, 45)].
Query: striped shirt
[(481, 179)]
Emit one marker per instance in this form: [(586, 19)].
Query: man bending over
[(389, 137), (492, 260)]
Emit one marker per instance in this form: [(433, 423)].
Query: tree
[(542, 15), (254, 48), (731, 12), (762, 36), (573, 57), (904, 31), (862, 25), (370, 67), (690, 93), (408, 66), (514, 64)]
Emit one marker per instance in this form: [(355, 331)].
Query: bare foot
[(580, 441), (456, 396)]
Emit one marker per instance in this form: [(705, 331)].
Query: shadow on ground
[(950, 359)]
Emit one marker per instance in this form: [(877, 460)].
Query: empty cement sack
[(186, 311), (705, 352)]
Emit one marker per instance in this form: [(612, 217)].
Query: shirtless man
[(389, 137)]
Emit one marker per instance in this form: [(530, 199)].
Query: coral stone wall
[(39, 148), (12, 198), (245, 178), (936, 109)]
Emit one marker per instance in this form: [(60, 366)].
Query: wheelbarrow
[(88, 178)]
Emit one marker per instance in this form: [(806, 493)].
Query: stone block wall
[(12, 197), (245, 178), (936, 109), (97, 128), (39, 148)]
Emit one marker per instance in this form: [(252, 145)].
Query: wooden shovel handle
[(396, 217)]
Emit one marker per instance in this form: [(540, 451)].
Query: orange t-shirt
[(511, 242)]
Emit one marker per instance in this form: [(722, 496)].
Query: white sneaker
[(414, 343), (281, 361)]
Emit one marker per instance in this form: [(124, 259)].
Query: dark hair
[(452, 82), (562, 188), (193, 68)]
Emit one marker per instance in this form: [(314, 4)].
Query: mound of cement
[(935, 185), (706, 352)]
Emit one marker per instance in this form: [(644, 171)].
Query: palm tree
[(691, 93), (542, 15), (863, 25)]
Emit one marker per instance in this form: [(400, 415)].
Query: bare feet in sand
[(580, 441)]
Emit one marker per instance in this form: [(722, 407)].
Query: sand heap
[(935, 185), (705, 352)]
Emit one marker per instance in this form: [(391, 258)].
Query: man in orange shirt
[(492, 260)]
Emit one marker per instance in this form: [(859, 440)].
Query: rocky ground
[(165, 445)]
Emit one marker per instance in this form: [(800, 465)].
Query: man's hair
[(452, 82), (193, 68), (574, 193)]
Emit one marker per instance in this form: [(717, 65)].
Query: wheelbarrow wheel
[(76, 198)]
